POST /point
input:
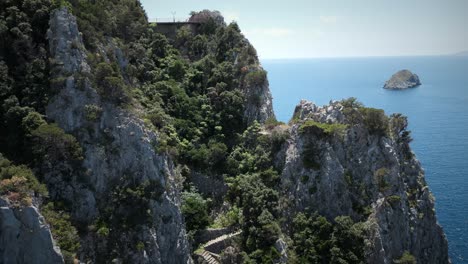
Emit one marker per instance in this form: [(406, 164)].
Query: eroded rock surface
[(371, 176), (25, 237), (119, 152)]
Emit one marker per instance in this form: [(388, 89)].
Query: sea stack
[(403, 79)]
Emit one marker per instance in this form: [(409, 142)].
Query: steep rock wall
[(371, 177), (25, 237), (118, 152)]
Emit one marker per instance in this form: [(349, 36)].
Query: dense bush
[(256, 77), (375, 120), (123, 19), (129, 203), (63, 231), (198, 46), (310, 157), (311, 126), (92, 112), (195, 210), (24, 70), (316, 240), (53, 145), (228, 219), (18, 183), (111, 86), (406, 258)]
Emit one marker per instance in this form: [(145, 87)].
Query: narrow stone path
[(221, 239), (210, 248)]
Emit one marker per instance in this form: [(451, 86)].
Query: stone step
[(218, 244), (208, 258)]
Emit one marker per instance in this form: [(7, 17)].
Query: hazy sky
[(333, 28)]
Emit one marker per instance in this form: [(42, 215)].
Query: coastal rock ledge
[(403, 79)]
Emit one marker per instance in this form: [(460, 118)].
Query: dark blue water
[(437, 112)]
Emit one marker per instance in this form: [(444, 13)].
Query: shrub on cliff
[(311, 126), (63, 231), (195, 211), (375, 120), (316, 240), (406, 258), (256, 77), (51, 145), (18, 183), (110, 83)]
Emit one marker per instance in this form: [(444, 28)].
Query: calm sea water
[(437, 112)]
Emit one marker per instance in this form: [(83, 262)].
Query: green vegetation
[(92, 112), (256, 77), (393, 200), (52, 145), (195, 210), (228, 219), (189, 90), (24, 71), (311, 126), (310, 157), (253, 187), (110, 83), (18, 183), (63, 231), (398, 127), (379, 177), (130, 201), (406, 258), (304, 179), (316, 240), (375, 120)]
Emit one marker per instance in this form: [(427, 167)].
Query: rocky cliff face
[(123, 197), (118, 154), (348, 168), (259, 102), (258, 99), (25, 237)]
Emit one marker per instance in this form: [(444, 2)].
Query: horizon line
[(360, 56)]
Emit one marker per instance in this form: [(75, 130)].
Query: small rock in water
[(403, 79)]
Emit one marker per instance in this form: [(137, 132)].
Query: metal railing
[(169, 20)]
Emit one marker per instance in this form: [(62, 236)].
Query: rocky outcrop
[(403, 79), (368, 175), (259, 102), (119, 152), (25, 237)]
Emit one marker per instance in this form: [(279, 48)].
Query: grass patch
[(327, 129)]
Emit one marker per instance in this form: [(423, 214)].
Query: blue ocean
[(437, 113)]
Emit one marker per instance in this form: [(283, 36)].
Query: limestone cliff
[(338, 162), (259, 102), (179, 110), (118, 153), (25, 237)]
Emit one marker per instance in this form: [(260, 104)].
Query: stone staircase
[(218, 244), (209, 257), (210, 251)]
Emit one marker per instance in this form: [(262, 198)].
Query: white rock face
[(117, 147), (25, 237), (400, 215)]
